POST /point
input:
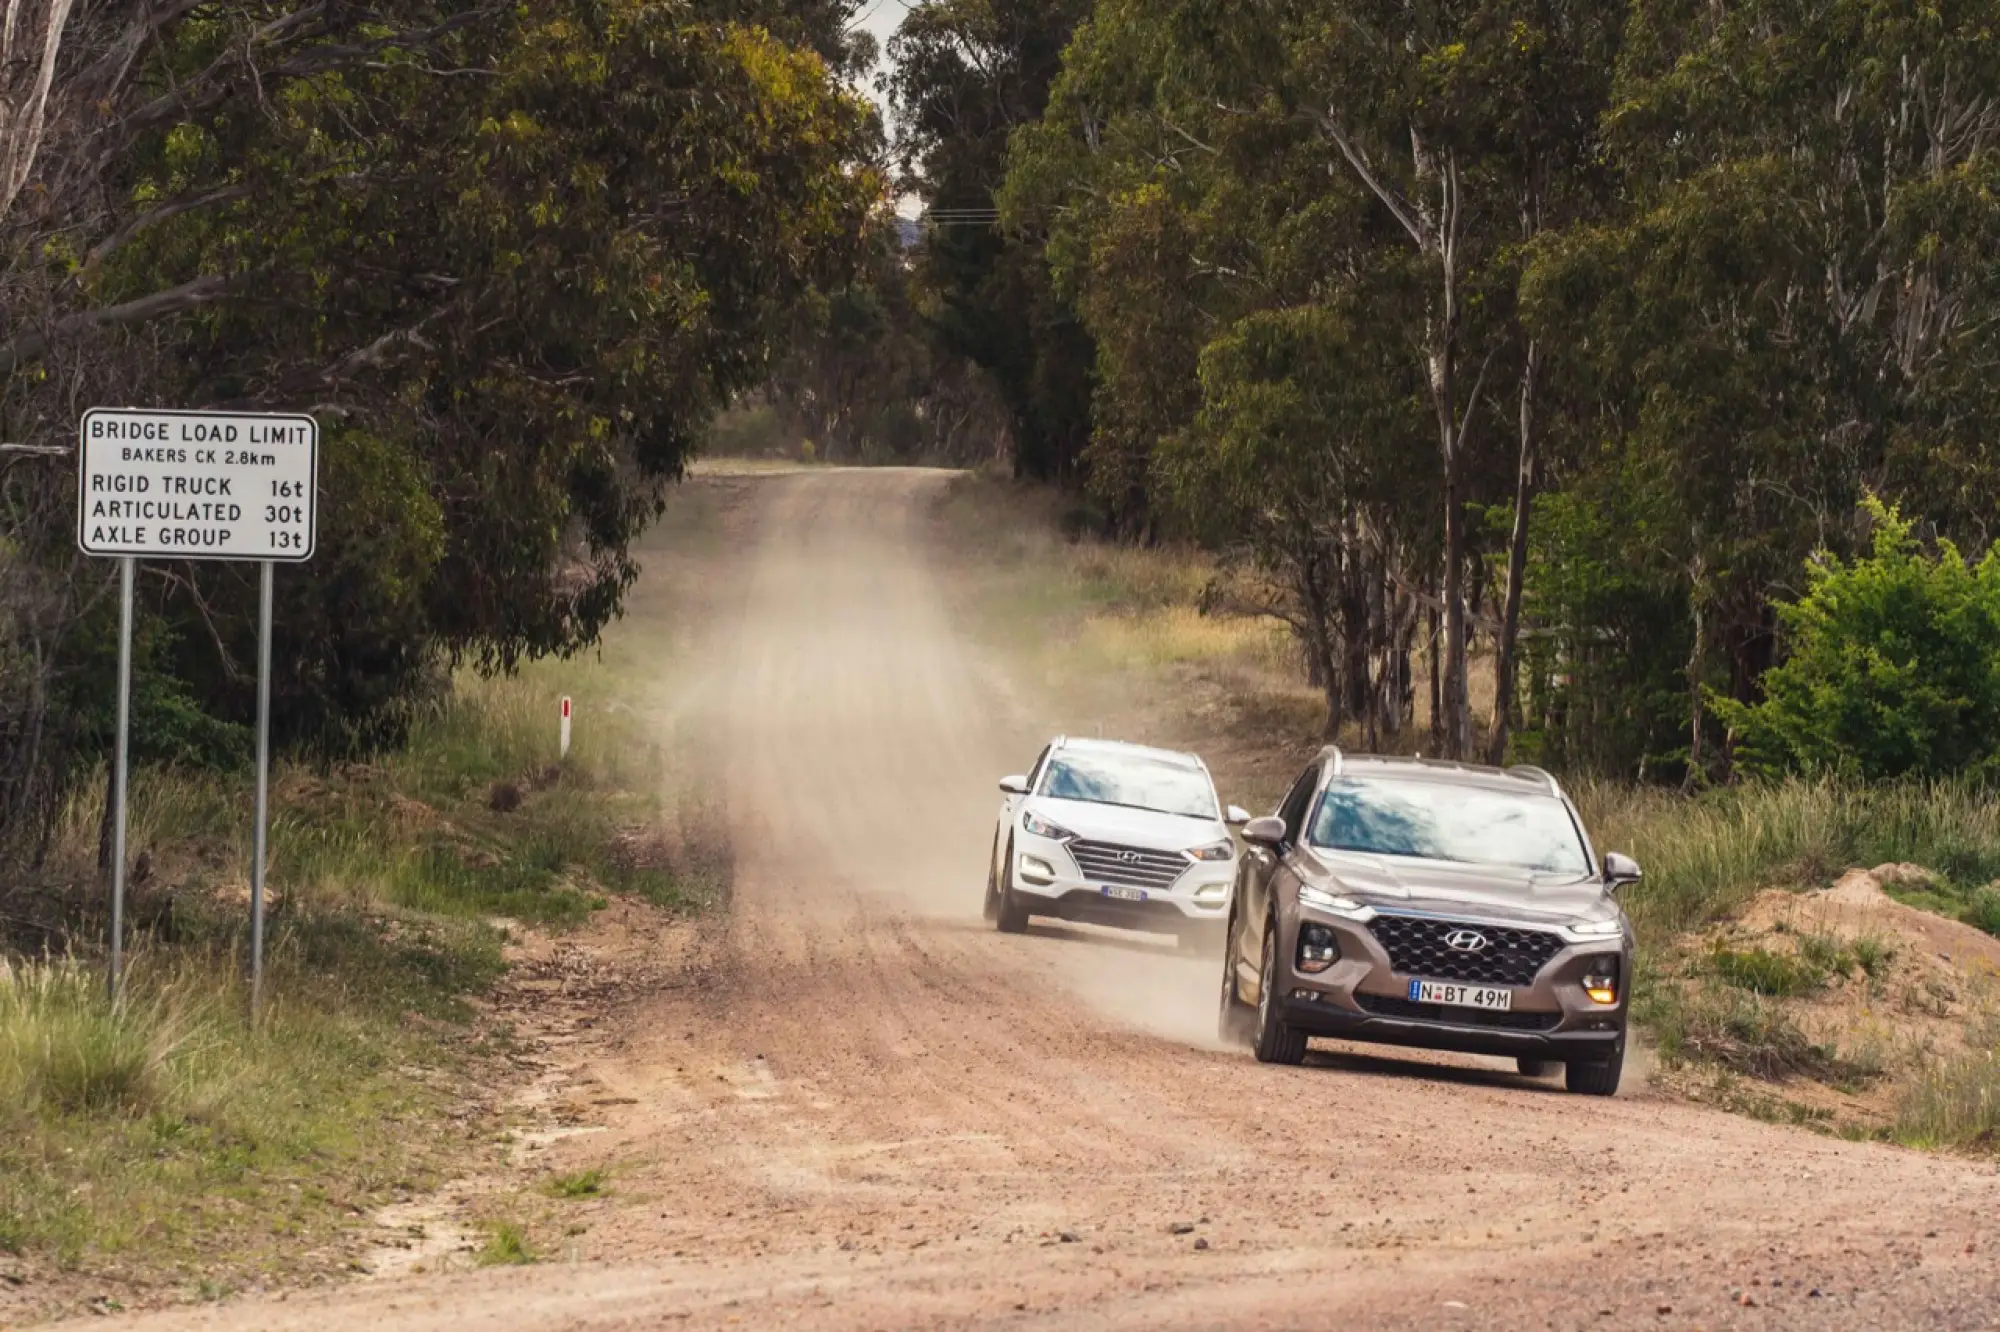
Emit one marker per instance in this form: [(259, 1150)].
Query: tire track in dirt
[(872, 1112)]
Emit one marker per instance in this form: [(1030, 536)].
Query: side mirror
[(1619, 870), (1267, 831), (1236, 815), (1016, 785)]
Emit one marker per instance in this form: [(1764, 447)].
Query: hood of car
[(1151, 829), (1490, 890)]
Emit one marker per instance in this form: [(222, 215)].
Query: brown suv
[(1416, 902)]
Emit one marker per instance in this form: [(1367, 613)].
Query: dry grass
[(159, 1145)]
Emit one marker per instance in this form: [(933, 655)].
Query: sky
[(881, 18)]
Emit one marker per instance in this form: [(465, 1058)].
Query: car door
[(1261, 863)]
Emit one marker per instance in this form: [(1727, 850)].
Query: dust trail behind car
[(868, 1109)]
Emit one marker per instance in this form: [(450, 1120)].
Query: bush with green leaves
[(1892, 668)]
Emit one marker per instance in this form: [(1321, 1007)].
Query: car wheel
[(1009, 915), (991, 909), (1600, 1078), (1234, 1024), (1277, 1042), (1535, 1068)]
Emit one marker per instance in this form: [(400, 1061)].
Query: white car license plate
[(1124, 894), (1462, 996)]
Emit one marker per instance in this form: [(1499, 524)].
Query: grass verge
[(160, 1148)]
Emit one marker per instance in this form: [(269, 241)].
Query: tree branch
[(120, 238), (1391, 200), (32, 346)]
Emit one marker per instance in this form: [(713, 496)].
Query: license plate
[(1462, 996), (1124, 894)]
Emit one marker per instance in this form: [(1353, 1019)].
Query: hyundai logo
[(1129, 857), (1466, 941)]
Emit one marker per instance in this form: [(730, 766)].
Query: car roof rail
[(1061, 740), (1530, 770), (1339, 759)]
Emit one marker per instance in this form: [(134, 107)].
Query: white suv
[(1114, 834)]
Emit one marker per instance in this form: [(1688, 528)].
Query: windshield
[(1126, 779), (1435, 821)]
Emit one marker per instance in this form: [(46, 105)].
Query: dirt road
[(866, 1110)]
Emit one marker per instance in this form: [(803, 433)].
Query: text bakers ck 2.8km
[(198, 485)]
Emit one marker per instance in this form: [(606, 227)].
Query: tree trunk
[(1436, 686), (1697, 665), (1517, 568)]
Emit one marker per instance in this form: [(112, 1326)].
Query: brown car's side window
[(1293, 811)]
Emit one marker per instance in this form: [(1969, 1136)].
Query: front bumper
[(1200, 896), (1364, 997)]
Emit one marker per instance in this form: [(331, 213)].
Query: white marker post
[(565, 726), (197, 486)]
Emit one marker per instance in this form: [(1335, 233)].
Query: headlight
[(1325, 901), (1597, 929), (1216, 851), (1041, 827)]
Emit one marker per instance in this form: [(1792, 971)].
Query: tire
[(1535, 1068), (1276, 1043), (991, 908), (1235, 1023), (1009, 915), (1598, 1079)]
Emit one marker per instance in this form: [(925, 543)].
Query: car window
[(1293, 811), (1035, 773), (1438, 821), (1132, 780)]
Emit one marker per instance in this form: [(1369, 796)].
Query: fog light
[(1600, 980), (1036, 870), (1318, 949), (1210, 890)]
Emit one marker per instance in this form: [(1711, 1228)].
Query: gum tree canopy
[(513, 256)]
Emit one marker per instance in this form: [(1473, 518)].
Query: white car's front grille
[(1127, 866)]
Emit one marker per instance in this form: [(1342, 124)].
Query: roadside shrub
[(1954, 1104), (1984, 911), (1760, 971), (66, 1048), (1893, 666), (1745, 1033)]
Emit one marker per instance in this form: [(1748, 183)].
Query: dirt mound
[(1858, 903)]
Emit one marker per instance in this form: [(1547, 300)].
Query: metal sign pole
[(263, 790), (126, 571)]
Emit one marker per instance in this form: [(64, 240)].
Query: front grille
[(1383, 1006), (1416, 947), (1127, 866)]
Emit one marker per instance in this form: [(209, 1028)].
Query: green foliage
[(1983, 912), (966, 74), (506, 1246), (582, 1184), (1892, 666), (1955, 1104), (1760, 971), (1729, 1028)]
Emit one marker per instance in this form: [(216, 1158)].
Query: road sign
[(198, 485)]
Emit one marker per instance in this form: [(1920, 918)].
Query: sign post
[(565, 726), (127, 568), (197, 486)]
